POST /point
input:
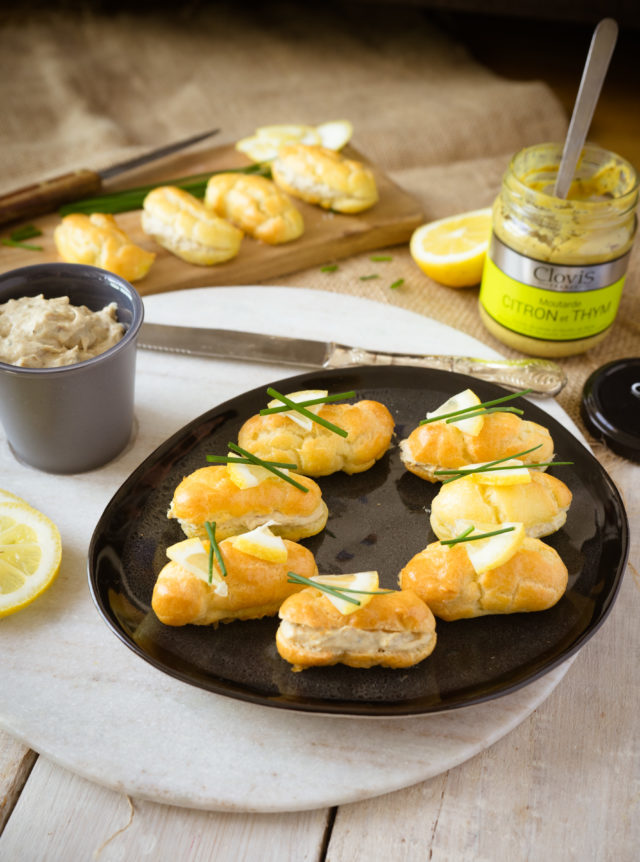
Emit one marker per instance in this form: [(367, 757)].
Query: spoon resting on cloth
[(595, 69)]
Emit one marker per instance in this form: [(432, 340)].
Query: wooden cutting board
[(328, 236)]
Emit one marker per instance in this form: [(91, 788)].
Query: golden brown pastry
[(534, 579), (255, 205), (438, 446), (324, 177), (541, 505), (97, 240), (319, 451), (182, 224), (394, 630), (208, 494), (256, 588)]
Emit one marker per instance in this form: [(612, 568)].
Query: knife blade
[(542, 376), (48, 195)]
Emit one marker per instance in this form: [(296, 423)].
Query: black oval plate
[(378, 520)]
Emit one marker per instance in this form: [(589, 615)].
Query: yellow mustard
[(555, 268)]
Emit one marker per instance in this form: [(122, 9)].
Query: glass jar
[(555, 268)]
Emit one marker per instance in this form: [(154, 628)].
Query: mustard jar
[(555, 269)]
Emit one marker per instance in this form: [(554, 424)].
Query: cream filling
[(249, 522), (351, 639)]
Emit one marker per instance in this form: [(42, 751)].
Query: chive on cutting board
[(328, 236)]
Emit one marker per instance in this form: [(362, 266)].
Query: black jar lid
[(610, 406)]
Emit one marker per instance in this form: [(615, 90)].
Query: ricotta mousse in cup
[(67, 364)]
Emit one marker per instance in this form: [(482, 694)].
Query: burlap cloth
[(81, 87)]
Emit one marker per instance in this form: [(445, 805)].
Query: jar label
[(549, 301)]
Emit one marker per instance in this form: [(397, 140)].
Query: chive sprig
[(467, 537), (337, 592), (326, 399), (478, 409), (291, 405), (259, 462), (214, 548)]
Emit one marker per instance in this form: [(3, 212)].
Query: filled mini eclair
[(321, 176), (316, 450), (533, 578), (250, 587), (210, 495), (394, 629), (541, 504), (255, 205)]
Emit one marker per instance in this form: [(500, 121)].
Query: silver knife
[(542, 376)]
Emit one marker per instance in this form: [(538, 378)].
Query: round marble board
[(75, 693)]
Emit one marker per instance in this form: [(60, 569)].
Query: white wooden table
[(563, 785)]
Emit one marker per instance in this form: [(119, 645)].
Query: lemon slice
[(7, 496), (193, 555), (249, 475), (490, 553), (263, 544), (452, 250), (30, 553), (466, 398), (289, 132), (335, 134), (302, 395), (264, 145), (258, 149), (368, 581), (514, 473)]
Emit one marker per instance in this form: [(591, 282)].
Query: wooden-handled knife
[(48, 195)]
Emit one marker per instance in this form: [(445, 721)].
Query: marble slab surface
[(73, 692)]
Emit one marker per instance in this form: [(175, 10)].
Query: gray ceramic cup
[(76, 417)]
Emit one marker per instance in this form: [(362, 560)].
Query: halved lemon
[(490, 553), (452, 250), (367, 581), (263, 544), (30, 554), (193, 555), (465, 399), (511, 472), (302, 395)]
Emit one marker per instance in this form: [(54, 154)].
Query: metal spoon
[(595, 69)]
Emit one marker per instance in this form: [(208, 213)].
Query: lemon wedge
[(263, 544), (452, 250), (302, 395), (485, 554), (249, 475), (513, 473), (464, 399), (193, 555), (264, 144), (335, 134), (368, 581), (30, 554)]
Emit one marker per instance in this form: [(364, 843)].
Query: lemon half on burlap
[(452, 250), (30, 554)]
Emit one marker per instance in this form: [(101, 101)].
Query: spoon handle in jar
[(595, 69)]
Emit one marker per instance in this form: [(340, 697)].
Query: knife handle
[(48, 195), (542, 376)]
